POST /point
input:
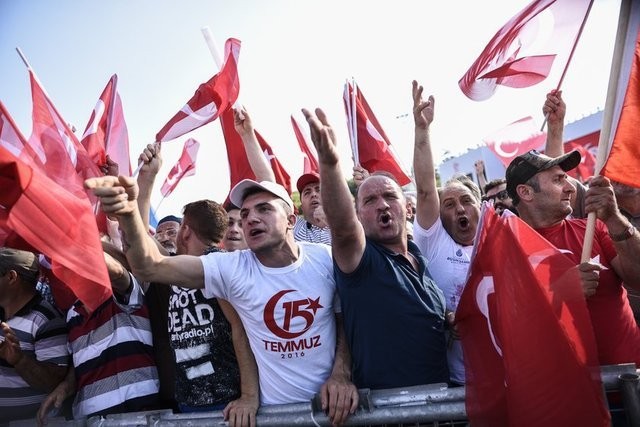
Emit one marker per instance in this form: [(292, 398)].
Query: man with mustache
[(445, 224)]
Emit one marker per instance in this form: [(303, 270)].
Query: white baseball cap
[(238, 192)]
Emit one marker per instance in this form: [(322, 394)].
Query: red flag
[(515, 139), (587, 165), (526, 333), (13, 140), (106, 132), (57, 224), (310, 160), (239, 167), (523, 52), (210, 100), (186, 166), (65, 160), (375, 152), (622, 164)]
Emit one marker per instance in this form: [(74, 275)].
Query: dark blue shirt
[(394, 320)]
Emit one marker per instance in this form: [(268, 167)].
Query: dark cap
[(23, 262), (170, 218), (526, 166), (306, 179)]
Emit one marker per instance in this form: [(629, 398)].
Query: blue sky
[(295, 53)]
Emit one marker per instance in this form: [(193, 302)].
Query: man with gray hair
[(33, 338)]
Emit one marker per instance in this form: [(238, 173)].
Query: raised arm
[(554, 109), (347, 235), (257, 160), (151, 160), (428, 202), (118, 196)]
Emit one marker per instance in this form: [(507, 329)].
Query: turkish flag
[(587, 165), (13, 140), (310, 159), (106, 132), (515, 139), (210, 100), (57, 224), (623, 164), (239, 167), (526, 333), (375, 152), (186, 166), (523, 52)]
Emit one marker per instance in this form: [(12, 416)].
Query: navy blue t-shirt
[(394, 320)]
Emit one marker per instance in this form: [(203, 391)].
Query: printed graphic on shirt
[(289, 319)]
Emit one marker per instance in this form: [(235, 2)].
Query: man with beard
[(542, 192), (377, 271), (496, 191), (445, 224), (167, 233)]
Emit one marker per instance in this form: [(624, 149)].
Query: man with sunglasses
[(496, 191)]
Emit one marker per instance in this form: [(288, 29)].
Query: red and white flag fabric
[(239, 167), (623, 160), (587, 165), (57, 224), (374, 150), (65, 160), (524, 51), (106, 132), (210, 100), (13, 140), (186, 166), (526, 333), (515, 139), (308, 153)]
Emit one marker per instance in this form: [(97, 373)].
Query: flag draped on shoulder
[(526, 333), (310, 160), (57, 224), (239, 167), (523, 52), (106, 132), (370, 145), (515, 139), (210, 100), (186, 166), (623, 160)]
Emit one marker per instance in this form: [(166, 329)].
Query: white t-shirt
[(448, 263), (288, 314)]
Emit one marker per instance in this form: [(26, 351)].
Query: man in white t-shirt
[(445, 223), (283, 291)]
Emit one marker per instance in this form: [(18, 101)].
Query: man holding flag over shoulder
[(540, 190)]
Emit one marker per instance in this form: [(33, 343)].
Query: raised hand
[(117, 194), (322, 135), (422, 111)]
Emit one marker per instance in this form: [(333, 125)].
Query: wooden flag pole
[(607, 119)]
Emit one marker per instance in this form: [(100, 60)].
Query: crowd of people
[(237, 305)]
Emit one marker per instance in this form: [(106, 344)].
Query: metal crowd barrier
[(431, 405)]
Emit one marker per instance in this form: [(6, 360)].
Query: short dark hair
[(493, 184), (207, 219)]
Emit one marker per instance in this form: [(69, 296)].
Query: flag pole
[(573, 49), (607, 119), (354, 124), (159, 203), (24, 59), (217, 58)]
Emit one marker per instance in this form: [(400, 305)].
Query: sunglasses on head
[(502, 195)]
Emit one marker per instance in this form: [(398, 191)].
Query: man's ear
[(525, 192), (291, 219)]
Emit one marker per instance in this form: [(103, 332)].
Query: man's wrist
[(626, 234)]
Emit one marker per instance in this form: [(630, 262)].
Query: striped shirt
[(304, 231), (113, 357), (42, 333)]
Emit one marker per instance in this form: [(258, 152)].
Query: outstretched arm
[(257, 160), (347, 235), (151, 160), (118, 196), (428, 202)]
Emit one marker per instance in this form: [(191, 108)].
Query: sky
[(295, 54)]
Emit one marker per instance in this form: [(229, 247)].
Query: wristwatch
[(621, 237)]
